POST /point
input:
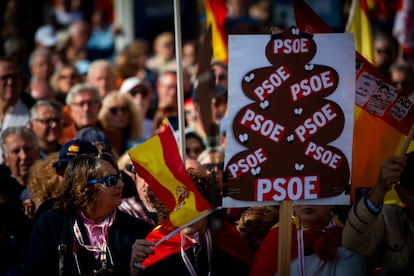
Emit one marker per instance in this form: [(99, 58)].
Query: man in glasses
[(218, 109), (220, 73), (46, 121), (13, 111), (84, 104)]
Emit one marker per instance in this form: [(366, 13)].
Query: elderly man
[(13, 112), (102, 75), (84, 103), (46, 121), (20, 151)]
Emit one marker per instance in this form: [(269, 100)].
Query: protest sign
[(291, 108)]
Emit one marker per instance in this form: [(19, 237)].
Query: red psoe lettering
[(318, 120), (287, 188), (262, 125)]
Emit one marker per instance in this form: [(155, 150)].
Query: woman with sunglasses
[(121, 121), (85, 233)]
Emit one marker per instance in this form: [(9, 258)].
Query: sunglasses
[(115, 109), (195, 150), (108, 181)]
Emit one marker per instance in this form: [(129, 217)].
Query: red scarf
[(323, 242), (227, 238)]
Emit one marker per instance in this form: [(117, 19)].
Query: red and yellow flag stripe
[(158, 161)]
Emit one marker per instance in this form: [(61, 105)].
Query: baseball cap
[(219, 90), (70, 150), (46, 36), (129, 83), (95, 136)]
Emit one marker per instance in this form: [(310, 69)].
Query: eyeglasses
[(49, 121), (65, 77), (108, 181), (211, 166), (386, 51), (8, 76), (219, 101), (221, 76), (195, 150), (115, 109), (142, 90), (88, 103)]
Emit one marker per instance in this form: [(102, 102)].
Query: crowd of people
[(72, 203)]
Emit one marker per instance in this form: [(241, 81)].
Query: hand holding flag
[(158, 161)]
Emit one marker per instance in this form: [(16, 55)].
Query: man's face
[(403, 81), (383, 54), (48, 125), (21, 154), (84, 109), (42, 67), (10, 83), (218, 108), (167, 91), (220, 75), (104, 79)]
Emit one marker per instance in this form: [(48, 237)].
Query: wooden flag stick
[(407, 142), (285, 237)]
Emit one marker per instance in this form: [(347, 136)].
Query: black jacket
[(43, 256)]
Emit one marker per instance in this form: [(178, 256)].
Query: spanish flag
[(216, 12), (375, 137), (158, 161), (359, 24)]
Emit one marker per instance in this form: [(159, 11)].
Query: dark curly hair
[(76, 193)]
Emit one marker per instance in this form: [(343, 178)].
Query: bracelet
[(371, 207), (138, 265)]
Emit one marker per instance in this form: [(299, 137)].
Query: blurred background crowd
[(105, 71)]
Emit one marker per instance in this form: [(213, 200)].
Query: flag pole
[(407, 142), (180, 90), (285, 237)]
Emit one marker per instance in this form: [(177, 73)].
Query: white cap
[(128, 84), (46, 36)]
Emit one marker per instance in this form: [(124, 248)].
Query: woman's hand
[(141, 249)]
